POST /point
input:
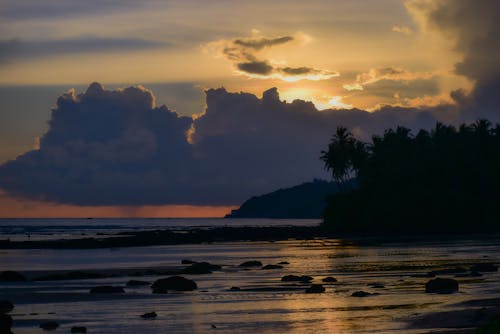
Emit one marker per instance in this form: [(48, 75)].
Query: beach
[(393, 273)]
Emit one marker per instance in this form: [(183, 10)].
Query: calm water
[(265, 304)]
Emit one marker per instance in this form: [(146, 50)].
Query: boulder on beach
[(315, 288), (176, 283), (251, 264), (11, 276), (5, 323), (441, 285), (134, 282), (149, 315), (6, 306), (295, 278), (329, 279), (235, 288), (363, 294), (484, 267), (49, 325), (200, 268), (284, 262), (272, 266), (107, 289), (78, 329), (188, 262)]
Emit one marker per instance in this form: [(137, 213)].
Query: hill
[(307, 200)]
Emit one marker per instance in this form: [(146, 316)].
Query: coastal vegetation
[(439, 181)]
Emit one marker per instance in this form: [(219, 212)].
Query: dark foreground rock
[(176, 283), (235, 288), (200, 268), (149, 315), (315, 288), (134, 282), (78, 329), (272, 266), (6, 306), (188, 262), (441, 285), (363, 294), (5, 323), (11, 276), (329, 279), (295, 278), (107, 289), (251, 264), (49, 325)]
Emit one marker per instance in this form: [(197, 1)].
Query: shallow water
[(265, 304)]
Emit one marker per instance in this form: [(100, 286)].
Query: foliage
[(444, 180)]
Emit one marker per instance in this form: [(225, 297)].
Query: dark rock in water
[(441, 285), (6, 306), (200, 268), (362, 294), (107, 289), (283, 262), (251, 264), (149, 315), (5, 323), (78, 329), (134, 282), (213, 326), (235, 288), (272, 266), (329, 279), (11, 276), (484, 267), (188, 262), (49, 325), (70, 276), (448, 271), (176, 283), (376, 285), (315, 288), (295, 278)]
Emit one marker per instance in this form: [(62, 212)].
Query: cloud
[(116, 147), (402, 29), (245, 56), (375, 75), (15, 48), (474, 26)]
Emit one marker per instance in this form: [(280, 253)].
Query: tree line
[(438, 181)]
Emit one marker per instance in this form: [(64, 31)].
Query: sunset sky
[(368, 65)]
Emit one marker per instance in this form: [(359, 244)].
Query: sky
[(188, 108)]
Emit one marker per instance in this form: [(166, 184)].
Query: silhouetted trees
[(444, 180)]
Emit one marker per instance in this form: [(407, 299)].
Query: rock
[(188, 262), (362, 294), (6, 306), (441, 285), (49, 325), (315, 288), (329, 279), (251, 264), (200, 268), (235, 288), (283, 262), (272, 266), (295, 278), (5, 323), (484, 267), (176, 283), (11, 276), (149, 315), (376, 285), (107, 289), (78, 329), (134, 282)]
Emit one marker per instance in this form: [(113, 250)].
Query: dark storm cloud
[(475, 27), (260, 43), (256, 67), (298, 70), (117, 147), (15, 48)]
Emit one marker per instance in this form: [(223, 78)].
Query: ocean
[(394, 273)]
